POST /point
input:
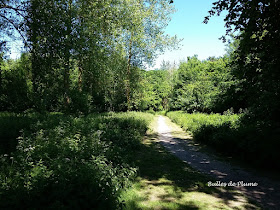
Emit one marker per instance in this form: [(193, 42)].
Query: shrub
[(65, 162), (232, 134)]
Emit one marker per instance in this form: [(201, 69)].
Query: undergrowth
[(233, 134), (67, 162)]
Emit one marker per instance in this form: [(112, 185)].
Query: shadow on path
[(171, 184), (265, 193)]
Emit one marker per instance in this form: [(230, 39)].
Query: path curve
[(266, 193)]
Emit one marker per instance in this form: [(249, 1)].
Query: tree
[(92, 49), (46, 32), (67, 36), (143, 34), (156, 90), (257, 57), (199, 85), (12, 14), (15, 89)]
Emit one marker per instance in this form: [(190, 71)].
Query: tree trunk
[(80, 79), (128, 74), (0, 74), (67, 57), (66, 84)]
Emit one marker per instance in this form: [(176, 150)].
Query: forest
[(77, 103)]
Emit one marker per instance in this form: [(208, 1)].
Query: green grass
[(99, 161), (247, 141), (165, 182), (215, 130), (194, 122)]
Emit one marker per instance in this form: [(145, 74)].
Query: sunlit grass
[(164, 194), (194, 122), (165, 182)]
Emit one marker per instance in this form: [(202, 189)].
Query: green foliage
[(72, 162), (84, 55), (15, 84), (93, 49), (233, 134), (11, 125), (156, 90), (198, 84), (256, 58), (194, 122)]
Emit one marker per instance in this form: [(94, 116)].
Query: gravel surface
[(266, 193)]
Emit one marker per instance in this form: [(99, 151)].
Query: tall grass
[(215, 130), (12, 124), (196, 121), (231, 134), (67, 162)]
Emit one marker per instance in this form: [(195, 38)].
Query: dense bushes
[(15, 84), (11, 124), (194, 122), (233, 134), (65, 162), (198, 85)]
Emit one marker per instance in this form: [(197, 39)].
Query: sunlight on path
[(266, 192)]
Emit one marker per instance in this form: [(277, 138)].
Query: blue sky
[(199, 38)]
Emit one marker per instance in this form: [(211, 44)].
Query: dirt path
[(266, 193)]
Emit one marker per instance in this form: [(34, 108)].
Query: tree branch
[(17, 10), (16, 27)]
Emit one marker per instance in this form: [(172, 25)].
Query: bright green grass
[(215, 130), (194, 122), (165, 182)]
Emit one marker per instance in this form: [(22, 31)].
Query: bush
[(65, 162), (232, 134), (194, 122), (11, 124)]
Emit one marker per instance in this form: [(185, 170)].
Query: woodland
[(75, 106)]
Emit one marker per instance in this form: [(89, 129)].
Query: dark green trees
[(257, 58), (255, 65), (16, 84)]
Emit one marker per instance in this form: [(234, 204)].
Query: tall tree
[(87, 46), (257, 57), (144, 36)]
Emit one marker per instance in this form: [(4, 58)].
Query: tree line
[(85, 56), (81, 55)]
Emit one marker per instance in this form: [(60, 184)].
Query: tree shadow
[(159, 169), (12, 124)]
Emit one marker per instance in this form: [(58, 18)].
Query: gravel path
[(266, 193)]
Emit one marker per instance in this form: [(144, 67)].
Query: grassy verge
[(232, 135), (67, 162), (196, 121), (165, 182)]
